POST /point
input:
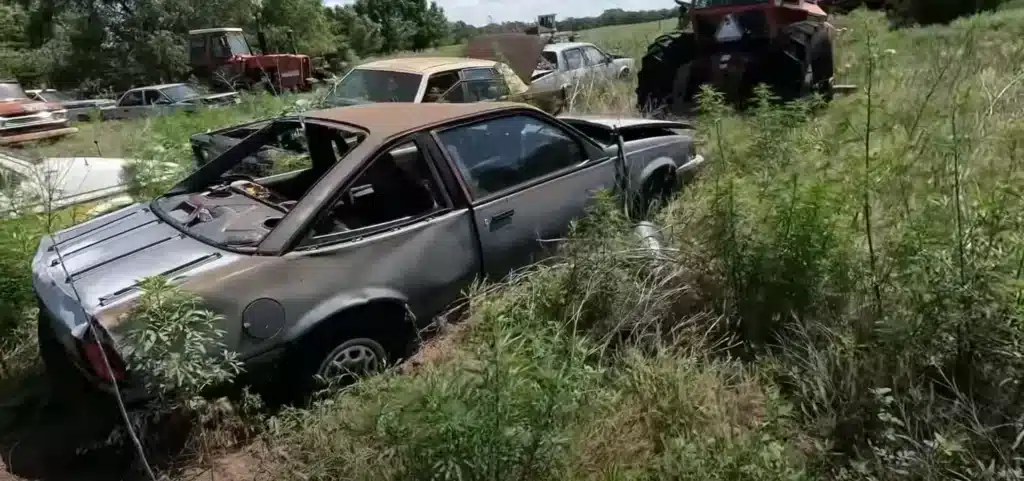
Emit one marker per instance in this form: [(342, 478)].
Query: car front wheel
[(350, 360)]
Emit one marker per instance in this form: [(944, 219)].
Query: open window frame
[(309, 241)]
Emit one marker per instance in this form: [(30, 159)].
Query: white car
[(569, 63), (59, 182)]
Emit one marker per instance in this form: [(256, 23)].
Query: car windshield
[(228, 200), (55, 96), (548, 61), (237, 43), (11, 90), (376, 86), (180, 93)]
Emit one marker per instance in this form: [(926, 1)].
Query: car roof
[(558, 47), (158, 87), (386, 119), (425, 65), (214, 30)]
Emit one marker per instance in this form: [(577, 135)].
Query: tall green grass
[(843, 302), (841, 299)]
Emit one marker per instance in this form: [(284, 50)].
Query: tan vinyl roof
[(425, 65), (385, 119)]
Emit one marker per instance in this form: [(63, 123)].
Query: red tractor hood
[(25, 106)]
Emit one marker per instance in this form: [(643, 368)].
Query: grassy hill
[(842, 301)]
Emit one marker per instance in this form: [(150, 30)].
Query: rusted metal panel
[(519, 51), (39, 135)]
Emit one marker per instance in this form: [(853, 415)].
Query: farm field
[(842, 301)]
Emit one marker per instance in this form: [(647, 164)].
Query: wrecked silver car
[(331, 261)]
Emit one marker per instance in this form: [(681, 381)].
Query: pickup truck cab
[(370, 221)]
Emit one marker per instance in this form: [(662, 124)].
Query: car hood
[(519, 51), (625, 122), (25, 106), (213, 99), (98, 263), (77, 104)]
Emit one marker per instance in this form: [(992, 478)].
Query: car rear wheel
[(655, 193)]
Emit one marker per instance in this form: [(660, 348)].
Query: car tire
[(311, 357), (655, 193)]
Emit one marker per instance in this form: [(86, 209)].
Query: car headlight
[(59, 114)]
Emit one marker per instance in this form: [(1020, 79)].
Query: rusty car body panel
[(402, 205), (24, 120)]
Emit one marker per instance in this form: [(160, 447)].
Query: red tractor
[(221, 57), (734, 45)]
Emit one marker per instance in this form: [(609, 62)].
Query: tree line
[(102, 45)]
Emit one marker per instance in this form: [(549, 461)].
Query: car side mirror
[(162, 102)]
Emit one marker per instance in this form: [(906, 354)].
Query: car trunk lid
[(99, 263)]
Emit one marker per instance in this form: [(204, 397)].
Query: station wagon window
[(395, 186), (131, 99), (439, 83), (498, 154), (573, 59)]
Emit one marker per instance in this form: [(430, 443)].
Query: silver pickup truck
[(157, 100)]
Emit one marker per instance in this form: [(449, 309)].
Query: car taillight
[(90, 349)]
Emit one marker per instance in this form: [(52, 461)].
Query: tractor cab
[(210, 47), (725, 20)]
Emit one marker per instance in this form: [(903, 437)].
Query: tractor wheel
[(663, 79), (806, 64)]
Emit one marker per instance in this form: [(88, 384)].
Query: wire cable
[(106, 362)]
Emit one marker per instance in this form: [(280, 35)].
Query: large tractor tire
[(663, 82), (805, 63)]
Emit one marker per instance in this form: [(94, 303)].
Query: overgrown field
[(842, 299)]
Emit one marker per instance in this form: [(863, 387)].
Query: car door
[(129, 105), (575, 65), (392, 229), (598, 63), (528, 178)]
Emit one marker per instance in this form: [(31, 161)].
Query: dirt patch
[(440, 348), (49, 442), (245, 464)]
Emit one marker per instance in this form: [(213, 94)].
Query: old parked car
[(54, 183), (81, 110), (24, 120), (156, 100), (495, 67), (386, 215), (570, 63)]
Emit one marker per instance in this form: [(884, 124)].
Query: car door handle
[(497, 220)]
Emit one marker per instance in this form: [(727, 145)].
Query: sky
[(475, 12)]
